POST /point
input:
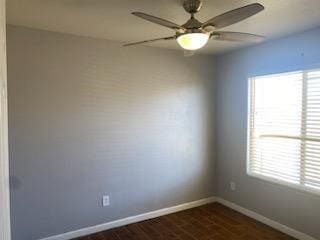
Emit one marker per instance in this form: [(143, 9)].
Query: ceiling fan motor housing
[(192, 6), (192, 24)]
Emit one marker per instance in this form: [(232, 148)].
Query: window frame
[(279, 182)]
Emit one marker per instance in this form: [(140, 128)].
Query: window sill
[(282, 183)]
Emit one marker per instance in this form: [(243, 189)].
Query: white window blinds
[(284, 128)]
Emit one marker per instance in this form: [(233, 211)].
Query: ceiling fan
[(194, 34)]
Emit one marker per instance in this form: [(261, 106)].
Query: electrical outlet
[(105, 201), (233, 186)]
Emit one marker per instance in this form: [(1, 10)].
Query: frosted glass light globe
[(193, 41)]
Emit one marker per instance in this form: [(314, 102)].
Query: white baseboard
[(149, 215), (129, 220), (280, 227)]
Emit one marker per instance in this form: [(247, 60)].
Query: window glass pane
[(277, 101), (284, 128)]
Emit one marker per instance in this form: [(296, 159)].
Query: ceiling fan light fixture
[(194, 34), (193, 41)]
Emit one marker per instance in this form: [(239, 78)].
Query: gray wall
[(89, 117), (290, 207)]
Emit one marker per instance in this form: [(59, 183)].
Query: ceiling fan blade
[(237, 37), (234, 16), (157, 20), (148, 41)]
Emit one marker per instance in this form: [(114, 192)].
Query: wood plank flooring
[(209, 222)]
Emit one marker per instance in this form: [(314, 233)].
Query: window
[(284, 129)]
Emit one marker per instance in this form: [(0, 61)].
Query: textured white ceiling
[(111, 19)]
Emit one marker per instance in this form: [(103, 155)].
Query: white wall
[(4, 161)]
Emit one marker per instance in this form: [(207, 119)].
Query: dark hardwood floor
[(210, 222)]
